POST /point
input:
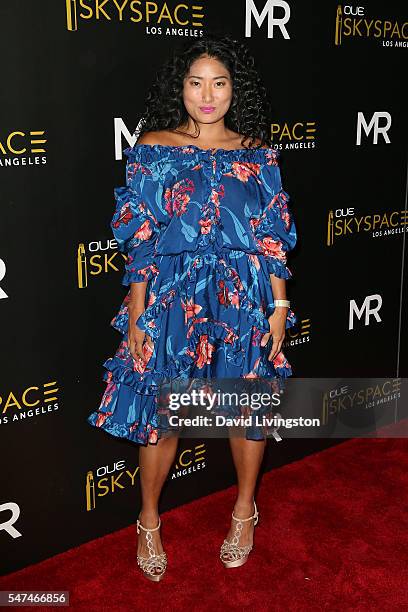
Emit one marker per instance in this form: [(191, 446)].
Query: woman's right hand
[(136, 336)]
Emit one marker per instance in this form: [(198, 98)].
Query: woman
[(206, 229)]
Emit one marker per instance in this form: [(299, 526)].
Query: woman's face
[(207, 91)]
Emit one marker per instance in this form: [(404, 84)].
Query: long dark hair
[(249, 113)]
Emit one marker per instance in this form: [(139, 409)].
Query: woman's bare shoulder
[(160, 137)]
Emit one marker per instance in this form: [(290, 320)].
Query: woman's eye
[(220, 83)]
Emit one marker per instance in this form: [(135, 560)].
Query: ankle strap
[(139, 524), (255, 514)]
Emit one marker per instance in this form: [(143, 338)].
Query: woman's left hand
[(277, 325)]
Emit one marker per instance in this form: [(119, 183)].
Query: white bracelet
[(282, 303)]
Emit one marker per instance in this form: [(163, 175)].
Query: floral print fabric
[(205, 228)]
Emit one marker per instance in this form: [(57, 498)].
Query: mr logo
[(252, 12), (374, 125), (121, 131), (3, 294), (8, 525), (370, 307)]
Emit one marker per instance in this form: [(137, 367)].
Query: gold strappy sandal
[(154, 566), (231, 554)]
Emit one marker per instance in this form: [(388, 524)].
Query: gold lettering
[(391, 216), (347, 26), (11, 401), (132, 476), (88, 8), (356, 25), (285, 132), (387, 382), (176, 17), (135, 10), (188, 450), (368, 25), (108, 262), (274, 129), (358, 223), (377, 24), (99, 9), (114, 481), (94, 261), (395, 29), (101, 485), (376, 219), (162, 15), (293, 131), (338, 226), (120, 8), (347, 226), (9, 145), (150, 11), (387, 26), (24, 396), (360, 395), (384, 220)]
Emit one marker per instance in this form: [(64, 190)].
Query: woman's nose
[(207, 94)]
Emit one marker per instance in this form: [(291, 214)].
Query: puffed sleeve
[(276, 231), (134, 224)]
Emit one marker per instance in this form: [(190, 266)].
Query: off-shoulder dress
[(205, 228)]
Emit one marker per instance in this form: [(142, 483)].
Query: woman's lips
[(207, 109)]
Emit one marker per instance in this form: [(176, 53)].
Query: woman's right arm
[(136, 307), (135, 229)]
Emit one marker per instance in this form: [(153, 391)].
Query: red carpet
[(332, 535)]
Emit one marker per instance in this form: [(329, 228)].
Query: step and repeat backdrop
[(74, 78)]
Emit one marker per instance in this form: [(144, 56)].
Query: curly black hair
[(249, 113)]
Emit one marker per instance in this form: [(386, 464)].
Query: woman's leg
[(155, 461), (247, 456)]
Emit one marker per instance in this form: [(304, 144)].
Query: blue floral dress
[(205, 228)]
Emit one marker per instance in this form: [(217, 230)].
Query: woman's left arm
[(276, 235), (277, 321)]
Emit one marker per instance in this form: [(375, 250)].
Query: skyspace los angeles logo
[(344, 222), (23, 148), (352, 22), (157, 18)]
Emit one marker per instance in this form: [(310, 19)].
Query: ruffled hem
[(144, 427), (149, 427), (136, 394), (141, 394)]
